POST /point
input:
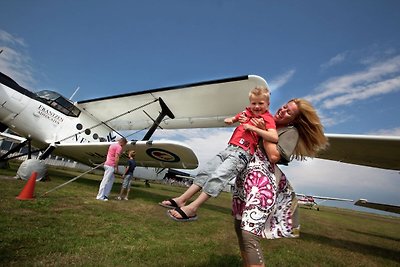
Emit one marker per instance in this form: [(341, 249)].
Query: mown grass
[(69, 227)]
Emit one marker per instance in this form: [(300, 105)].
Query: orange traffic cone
[(29, 188)]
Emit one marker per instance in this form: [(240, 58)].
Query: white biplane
[(83, 130), (310, 201)]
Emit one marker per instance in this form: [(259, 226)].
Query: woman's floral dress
[(264, 200)]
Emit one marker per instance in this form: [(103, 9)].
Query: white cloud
[(378, 79), (281, 80), (14, 60), (364, 92), (390, 132), (335, 117), (6, 37), (334, 61)]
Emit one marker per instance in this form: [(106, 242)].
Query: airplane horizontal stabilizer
[(378, 206)]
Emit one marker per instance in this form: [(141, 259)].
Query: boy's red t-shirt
[(248, 140)]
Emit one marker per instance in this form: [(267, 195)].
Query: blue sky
[(344, 56)]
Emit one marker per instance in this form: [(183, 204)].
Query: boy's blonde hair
[(260, 91)]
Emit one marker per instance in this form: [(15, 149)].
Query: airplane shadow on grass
[(223, 260), (155, 198), (353, 246), (376, 235), (146, 195)]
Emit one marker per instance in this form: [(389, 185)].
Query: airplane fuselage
[(307, 201), (47, 117)]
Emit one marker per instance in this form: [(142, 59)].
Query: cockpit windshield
[(58, 102)]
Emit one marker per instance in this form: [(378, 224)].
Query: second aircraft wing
[(367, 150)]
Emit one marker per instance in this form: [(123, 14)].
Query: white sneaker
[(125, 198), (118, 198)]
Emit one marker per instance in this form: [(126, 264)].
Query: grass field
[(69, 227)]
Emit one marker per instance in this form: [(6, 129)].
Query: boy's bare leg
[(121, 192), (192, 208), (127, 193), (181, 200)]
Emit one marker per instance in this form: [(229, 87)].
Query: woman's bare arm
[(272, 152), (270, 135)]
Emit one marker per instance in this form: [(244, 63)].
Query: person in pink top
[(110, 168), (227, 164)]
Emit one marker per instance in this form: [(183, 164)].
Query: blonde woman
[(264, 203)]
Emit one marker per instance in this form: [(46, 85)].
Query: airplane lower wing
[(12, 137), (378, 206), (158, 154), (367, 150)]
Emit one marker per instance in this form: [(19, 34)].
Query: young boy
[(227, 164), (128, 175)]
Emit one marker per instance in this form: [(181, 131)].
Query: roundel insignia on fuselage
[(162, 155)]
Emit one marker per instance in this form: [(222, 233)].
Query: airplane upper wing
[(367, 150), (198, 105), (162, 154)]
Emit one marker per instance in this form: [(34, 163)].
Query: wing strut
[(165, 111), (20, 155), (12, 150), (47, 152)]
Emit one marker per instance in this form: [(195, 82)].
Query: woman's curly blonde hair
[(311, 132)]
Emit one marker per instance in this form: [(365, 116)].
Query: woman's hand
[(259, 123), (248, 127), (243, 118)]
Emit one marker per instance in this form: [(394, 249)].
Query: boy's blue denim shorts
[(127, 181), (225, 166)]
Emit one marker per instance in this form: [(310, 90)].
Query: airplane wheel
[(29, 166)]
